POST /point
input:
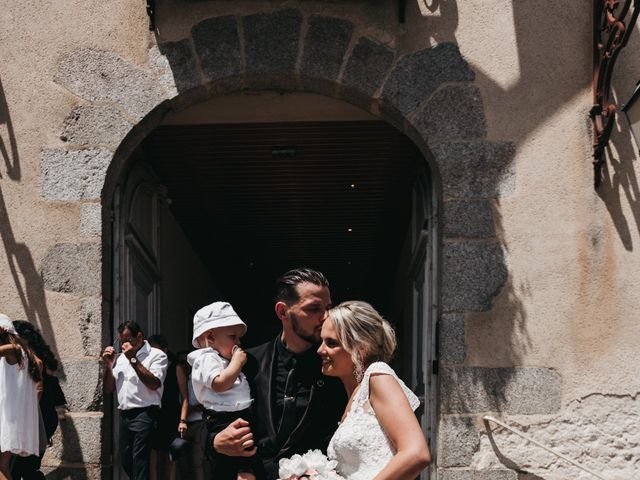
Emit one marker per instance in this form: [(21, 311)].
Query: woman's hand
[(183, 378), (182, 428)]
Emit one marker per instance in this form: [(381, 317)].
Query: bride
[(379, 437)]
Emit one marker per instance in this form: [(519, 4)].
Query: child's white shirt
[(207, 364)]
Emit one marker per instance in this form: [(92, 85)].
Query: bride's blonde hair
[(363, 333)]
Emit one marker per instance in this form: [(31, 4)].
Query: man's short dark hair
[(287, 283), (132, 326)]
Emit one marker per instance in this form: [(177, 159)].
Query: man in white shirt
[(137, 378)]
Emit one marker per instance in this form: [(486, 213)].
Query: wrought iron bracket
[(614, 22)]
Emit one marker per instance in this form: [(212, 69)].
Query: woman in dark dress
[(162, 465)]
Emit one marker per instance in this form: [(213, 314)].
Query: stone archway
[(428, 94)]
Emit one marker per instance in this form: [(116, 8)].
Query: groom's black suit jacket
[(326, 405)]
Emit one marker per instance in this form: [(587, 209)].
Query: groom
[(296, 407)]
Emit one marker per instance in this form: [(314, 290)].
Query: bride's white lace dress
[(360, 445)]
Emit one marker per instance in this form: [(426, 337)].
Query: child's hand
[(239, 355), (245, 476)]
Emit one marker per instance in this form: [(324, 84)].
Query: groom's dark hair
[(286, 284)]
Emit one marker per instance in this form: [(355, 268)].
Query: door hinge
[(434, 367)]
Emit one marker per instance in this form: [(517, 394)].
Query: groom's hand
[(235, 441)]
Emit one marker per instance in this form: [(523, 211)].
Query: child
[(218, 382)]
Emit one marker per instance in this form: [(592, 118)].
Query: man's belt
[(135, 411)]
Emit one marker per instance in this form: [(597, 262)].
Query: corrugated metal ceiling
[(258, 199)]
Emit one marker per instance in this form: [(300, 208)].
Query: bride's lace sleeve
[(384, 369)]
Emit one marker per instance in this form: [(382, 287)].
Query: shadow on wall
[(26, 277), (8, 148), (475, 172), (620, 182), (497, 389), (215, 53), (506, 461), (439, 18), (516, 390)]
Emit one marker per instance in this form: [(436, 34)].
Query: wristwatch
[(133, 360)]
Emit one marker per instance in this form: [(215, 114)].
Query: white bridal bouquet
[(313, 465)]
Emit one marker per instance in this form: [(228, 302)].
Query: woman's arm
[(40, 384), (400, 424), (10, 352), (184, 393)]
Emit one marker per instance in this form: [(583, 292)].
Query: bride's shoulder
[(386, 377), (374, 370), (379, 368)]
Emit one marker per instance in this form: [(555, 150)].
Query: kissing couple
[(323, 383)]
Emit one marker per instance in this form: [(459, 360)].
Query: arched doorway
[(221, 198)]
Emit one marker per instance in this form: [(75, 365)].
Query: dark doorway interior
[(255, 200)]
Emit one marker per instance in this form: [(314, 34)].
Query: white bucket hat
[(7, 325), (216, 315)]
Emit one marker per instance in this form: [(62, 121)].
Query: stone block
[(476, 169), (455, 112), (317, 85), (472, 275), (161, 68), (90, 324), (81, 385), (458, 441), (90, 219), (526, 390), (78, 439), (598, 430), (95, 125), (478, 475), (70, 176), (453, 349), (73, 268), (78, 472), (217, 43), (182, 65), (367, 66), (468, 218), (325, 46), (418, 75), (100, 76), (271, 41)]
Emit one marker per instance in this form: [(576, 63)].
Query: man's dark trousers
[(223, 467), (137, 427)]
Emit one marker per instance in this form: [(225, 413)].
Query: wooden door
[(136, 262), (422, 268)]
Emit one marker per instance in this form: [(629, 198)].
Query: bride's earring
[(358, 372)]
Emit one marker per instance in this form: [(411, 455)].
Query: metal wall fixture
[(614, 21)]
